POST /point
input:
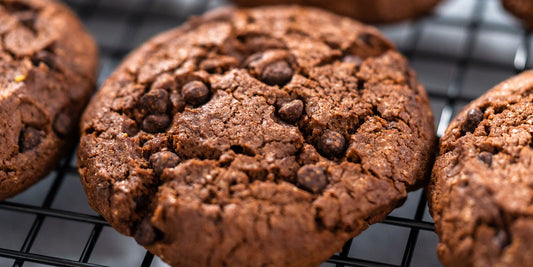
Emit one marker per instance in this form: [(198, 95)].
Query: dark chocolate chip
[(62, 123), (195, 93), (48, 58), (291, 111), (30, 138), (311, 178), (277, 73), (156, 101), (155, 123), (485, 157), (352, 59), (27, 18), (163, 160), (373, 40), (146, 234), (331, 144), (473, 118)]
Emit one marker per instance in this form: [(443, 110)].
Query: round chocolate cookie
[(256, 137), (523, 9), (481, 193), (47, 71), (371, 11)]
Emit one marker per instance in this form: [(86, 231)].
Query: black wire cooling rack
[(459, 52)]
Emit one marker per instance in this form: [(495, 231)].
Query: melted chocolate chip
[(30, 138), (278, 73), (155, 123), (291, 111), (195, 93), (156, 101), (163, 160), (485, 157), (331, 144), (311, 178), (62, 123), (352, 59), (473, 118), (146, 234)]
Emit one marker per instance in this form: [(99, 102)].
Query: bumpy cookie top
[(47, 71), (482, 185), (268, 132)]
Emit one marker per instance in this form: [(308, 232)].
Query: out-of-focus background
[(460, 51)]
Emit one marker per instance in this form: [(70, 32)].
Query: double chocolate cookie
[(523, 9), (256, 137), (371, 11), (481, 193), (47, 71)]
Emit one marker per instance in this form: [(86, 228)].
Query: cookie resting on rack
[(256, 137), (47, 72), (481, 192), (369, 11)]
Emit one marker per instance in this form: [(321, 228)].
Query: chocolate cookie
[(47, 71), (256, 137), (481, 193), (523, 9), (371, 11)]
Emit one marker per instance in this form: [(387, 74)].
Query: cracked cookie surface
[(369, 11), (256, 137), (481, 193), (47, 71)]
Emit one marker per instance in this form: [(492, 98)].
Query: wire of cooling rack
[(142, 11)]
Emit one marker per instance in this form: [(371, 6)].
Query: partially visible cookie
[(47, 72), (523, 9), (370, 11), (256, 137), (481, 193)]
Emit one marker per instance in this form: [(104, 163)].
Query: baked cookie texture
[(256, 137), (47, 71), (370, 11), (481, 192), (523, 9)]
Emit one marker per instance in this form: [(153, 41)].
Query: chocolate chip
[(146, 234), (311, 178), (155, 123), (195, 93), (163, 160), (62, 123), (30, 138), (331, 144), (473, 118), (155, 101), (278, 73), (485, 157), (46, 58), (291, 111), (352, 59)]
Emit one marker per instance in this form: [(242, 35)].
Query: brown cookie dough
[(523, 9), (370, 11), (481, 193), (256, 137), (47, 72)]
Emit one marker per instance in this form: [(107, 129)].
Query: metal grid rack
[(459, 52)]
